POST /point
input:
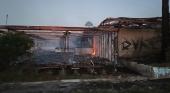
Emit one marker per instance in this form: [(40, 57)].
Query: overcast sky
[(74, 12)]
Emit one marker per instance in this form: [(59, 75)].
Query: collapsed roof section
[(125, 22)]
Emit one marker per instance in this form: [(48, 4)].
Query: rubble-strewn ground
[(111, 78), (104, 82), (142, 86), (122, 81)]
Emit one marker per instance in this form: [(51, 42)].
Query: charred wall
[(105, 45)]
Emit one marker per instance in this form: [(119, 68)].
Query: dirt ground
[(71, 85)]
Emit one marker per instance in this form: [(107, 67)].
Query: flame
[(94, 46), (94, 52)]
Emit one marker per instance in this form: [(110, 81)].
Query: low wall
[(161, 72), (81, 51), (149, 71)]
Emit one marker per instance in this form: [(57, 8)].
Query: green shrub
[(76, 73), (103, 72), (18, 75), (91, 71), (12, 46), (62, 72)]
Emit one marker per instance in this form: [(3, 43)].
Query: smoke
[(46, 51), (46, 44)]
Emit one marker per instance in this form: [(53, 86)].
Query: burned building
[(113, 38)]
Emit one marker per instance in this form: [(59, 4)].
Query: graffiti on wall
[(161, 72), (139, 44)]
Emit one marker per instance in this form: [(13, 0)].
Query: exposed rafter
[(126, 22)]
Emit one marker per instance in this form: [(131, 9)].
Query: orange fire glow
[(94, 47), (94, 52)]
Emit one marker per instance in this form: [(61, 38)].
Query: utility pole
[(6, 19), (165, 29)]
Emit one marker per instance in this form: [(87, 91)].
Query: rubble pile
[(47, 57), (102, 61), (89, 60), (50, 57)]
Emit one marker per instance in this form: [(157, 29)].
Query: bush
[(76, 73), (91, 71), (13, 45), (62, 72), (103, 72), (14, 74)]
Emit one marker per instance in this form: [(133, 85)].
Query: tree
[(89, 24), (165, 29), (13, 45)]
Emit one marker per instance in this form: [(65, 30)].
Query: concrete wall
[(138, 42), (146, 70), (128, 42)]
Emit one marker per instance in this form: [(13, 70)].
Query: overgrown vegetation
[(103, 72), (168, 55), (76, 73), (12, 46), (112, 90), (163, 64), (25, 73), (15, 74), (91, 71), (62, 72), (160, 64)]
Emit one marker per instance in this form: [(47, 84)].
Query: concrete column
[(104, 45), (112, 46), (109, 46), (116, 46), (103, 52), (97, 45), (100, 45)]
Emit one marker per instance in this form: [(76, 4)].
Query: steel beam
[(56, 28)]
